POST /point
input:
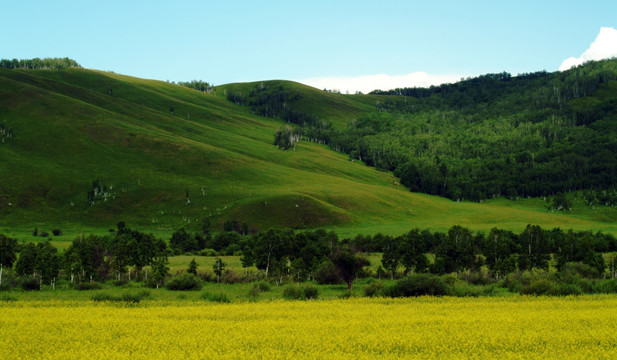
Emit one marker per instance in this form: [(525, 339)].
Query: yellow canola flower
[(581, 327)]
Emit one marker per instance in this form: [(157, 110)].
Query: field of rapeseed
[(447, 328)]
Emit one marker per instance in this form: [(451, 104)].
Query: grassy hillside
[(162, 156)]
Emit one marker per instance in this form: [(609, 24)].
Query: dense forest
[(536, 134)]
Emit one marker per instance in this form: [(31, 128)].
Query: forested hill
[(536, 134)]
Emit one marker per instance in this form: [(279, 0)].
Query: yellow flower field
[(582, 327)]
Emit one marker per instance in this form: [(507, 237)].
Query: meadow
[(427, 327)]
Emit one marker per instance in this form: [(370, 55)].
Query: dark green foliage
[(374, 288), (262, 286), (56, 232), (7, 298), (29, 283), (218, 268), (560, 202), (129, 297), (182, 242), (310, 292), (184, 281), (217, 297), (192, 267), (38, 63), (88, 286), (27, 260), (418, 285), (286, 137), (8, 250), (539, 287), (198, 85), (327, 274), (292, 292), (535, 248), (348, 263)]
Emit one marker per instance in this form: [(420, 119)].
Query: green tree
[(8, 249), (47, 262), (413, 248), (219, 268), (348, 263), (391, 257), (535, 248), (499, 249), (26, 263), (192, 267)]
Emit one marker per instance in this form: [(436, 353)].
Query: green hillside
[(90, 148)]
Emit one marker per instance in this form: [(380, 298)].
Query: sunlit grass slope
[(169, 156)]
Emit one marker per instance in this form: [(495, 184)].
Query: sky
[(345, 45)]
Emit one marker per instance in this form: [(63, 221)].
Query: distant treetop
[(38, 63)]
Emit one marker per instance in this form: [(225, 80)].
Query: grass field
[(420, 328), (165, 169)]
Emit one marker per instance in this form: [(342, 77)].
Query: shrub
[(465, 289), (56, 232), (9, 281), (30, 283), (126, 297), (44, 234), (120, 282), (218, 297), (564, 289), (418, 285), (184, 281), (7, 298), (292, 292), (262, 286), (208, 252), (539, 287), (310, 292), (606, 286), (88, 286), (375, 288), (327, 274)]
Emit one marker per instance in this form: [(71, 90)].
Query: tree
[(391, 256), (457, 251), (8, 249), (348, 263), (269, 247), (413, 248), (160, 269), (26, 263), (47, 262), (192, 267), (535, 248), (218, 267), (182, 242), (499, 249)]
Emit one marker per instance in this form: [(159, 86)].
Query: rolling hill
[(91, 148)]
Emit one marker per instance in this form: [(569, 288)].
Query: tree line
[(317, 255), (38, 63), (198, 85)]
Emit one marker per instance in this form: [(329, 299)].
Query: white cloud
[(604, 47), (368, 83)]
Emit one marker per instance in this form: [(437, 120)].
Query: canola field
[(583, 327)]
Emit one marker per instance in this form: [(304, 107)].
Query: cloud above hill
[(368, 83), (604, 47)]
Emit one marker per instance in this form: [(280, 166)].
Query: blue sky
[(223, 42)]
